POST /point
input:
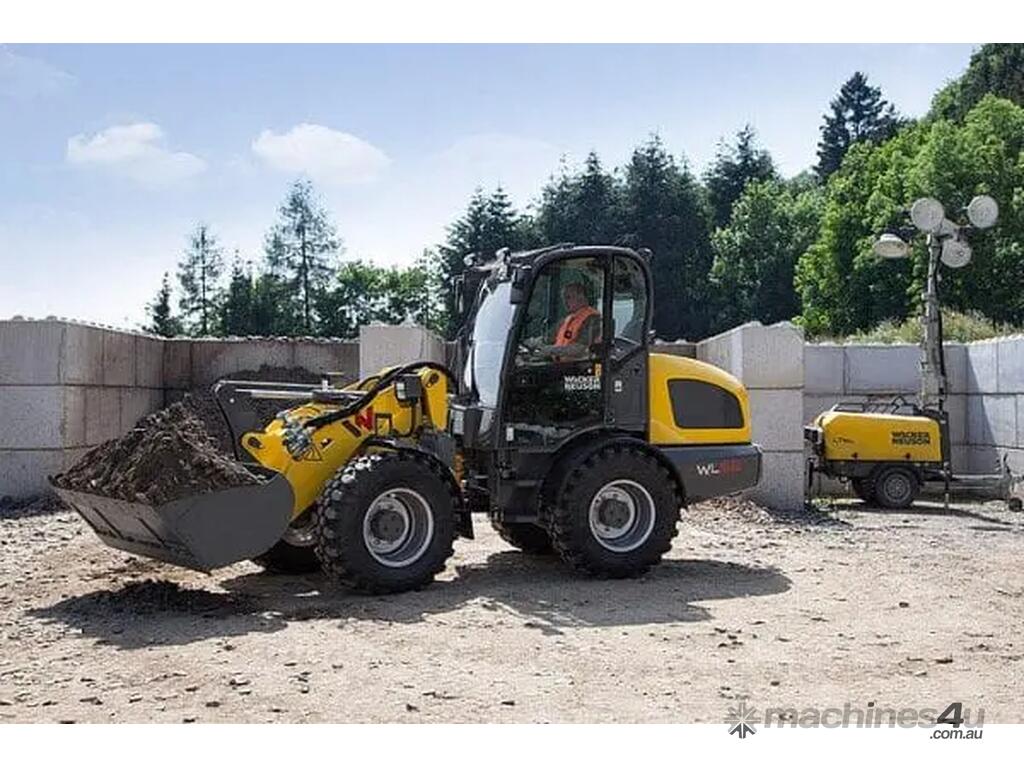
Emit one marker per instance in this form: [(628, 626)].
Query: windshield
[(490, 334)]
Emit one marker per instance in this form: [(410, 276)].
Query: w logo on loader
[(363, 421)]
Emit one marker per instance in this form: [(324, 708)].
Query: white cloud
[(134, 151), (323, 154), (24, 77)]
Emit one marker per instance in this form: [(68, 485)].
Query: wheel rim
[(397, 527), (621, 515), (897, 486), (302, 531)]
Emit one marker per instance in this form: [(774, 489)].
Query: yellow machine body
[(664, 427), (335, 443), (879, 437)]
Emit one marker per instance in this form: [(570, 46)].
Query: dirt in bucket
[(168, 455)]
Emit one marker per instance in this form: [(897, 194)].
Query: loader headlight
[(408, 388)]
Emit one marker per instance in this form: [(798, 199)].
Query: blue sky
[(110, 154)]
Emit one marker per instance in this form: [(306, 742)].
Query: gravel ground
[(915, 608)]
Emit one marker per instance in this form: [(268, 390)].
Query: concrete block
[(381, 346), (986, 459), (82, 360), (956, 368), (73, 422), (177, 366), (1020, 421), (813, 405), (982, 367), (30, 351), (1010, 354), (24, 473), (149, 362), (992, 420), (323, 356), (214, 359), (724, 351), (961, 459), (882, 369), (136, 403), (777, 418), (679, 348), (102, 414), (118, 359), (782, 481), (956, 407), (773, 356), (823, 369), (32, 417)]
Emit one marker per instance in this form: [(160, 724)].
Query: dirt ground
[(917, 609)]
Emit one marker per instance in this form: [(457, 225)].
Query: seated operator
[(580, 328)]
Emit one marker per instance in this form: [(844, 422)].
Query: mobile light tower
[(889, 450)]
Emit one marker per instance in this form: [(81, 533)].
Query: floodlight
[(927, 214), (983, 211), (890, 246)]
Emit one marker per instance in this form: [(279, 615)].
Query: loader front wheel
[(386, 523), (616, 513), (294, 553)]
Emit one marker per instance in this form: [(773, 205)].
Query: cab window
[(629, 306)]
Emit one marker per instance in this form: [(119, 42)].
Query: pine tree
[(489, 224), (663, 210), (162, 321), (583, 208), (859, 113), (733, 168), (302, 248), (236, 310), (996, 68), (199, 275)]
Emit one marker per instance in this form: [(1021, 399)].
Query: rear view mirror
[(520, 283)]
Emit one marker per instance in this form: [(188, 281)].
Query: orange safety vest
[(572, 325)]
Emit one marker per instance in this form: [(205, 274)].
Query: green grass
[(956, 326)]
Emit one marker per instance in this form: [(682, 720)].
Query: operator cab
[(556, 327)]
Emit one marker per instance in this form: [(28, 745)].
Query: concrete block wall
[(995, 403), (381, 346), (769, 360), (65, 388)]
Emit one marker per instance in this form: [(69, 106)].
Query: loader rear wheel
[(386, 523), (616, 513), (895, 487), (527, 537), (864, 487), (294, 553)]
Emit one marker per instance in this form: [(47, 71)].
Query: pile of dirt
[(206, 408), (168, 455)]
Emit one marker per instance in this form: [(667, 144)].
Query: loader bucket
[(202, 532)]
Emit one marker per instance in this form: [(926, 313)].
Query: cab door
[(558, 369)]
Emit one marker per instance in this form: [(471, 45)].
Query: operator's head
[(575, 296)]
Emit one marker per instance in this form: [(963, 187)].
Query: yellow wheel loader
[(558, 421)]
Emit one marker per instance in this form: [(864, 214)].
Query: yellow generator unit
[(885, 454)]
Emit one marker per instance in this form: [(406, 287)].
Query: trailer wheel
[(895, 487), (864, 487), (294, 553), (527, 537), (386, 523), (615, 514)]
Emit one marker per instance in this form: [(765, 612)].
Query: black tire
[(393, 481), (864, 487), (622, 468), (895, 487), (294, 553), (527, 537)]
